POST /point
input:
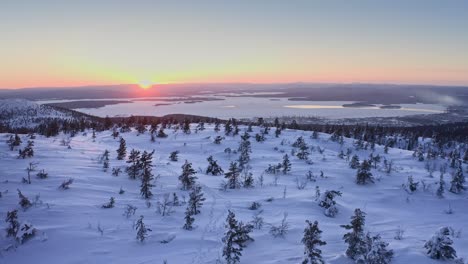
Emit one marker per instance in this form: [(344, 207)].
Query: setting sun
[(145, 84)]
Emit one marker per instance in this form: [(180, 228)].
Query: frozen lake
[(251, 107)]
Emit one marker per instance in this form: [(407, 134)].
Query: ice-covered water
[(250, 107)]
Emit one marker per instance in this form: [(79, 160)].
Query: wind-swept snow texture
[(72, 226)]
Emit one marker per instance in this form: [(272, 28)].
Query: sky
[(71, 43)]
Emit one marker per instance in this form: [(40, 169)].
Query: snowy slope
[(68, 220), (18, 113)]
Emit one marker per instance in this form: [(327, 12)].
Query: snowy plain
[(68, 220)]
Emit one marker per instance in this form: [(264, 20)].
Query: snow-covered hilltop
[(85, 203), (21, 113)]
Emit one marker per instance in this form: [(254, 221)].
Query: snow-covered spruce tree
[(146, 162), (378, 252), (24, 202), (356, 239), (213, 167), (189, 219), (277, 131), (456, 185), (122, 150), (218, 140), (110, 204), (161, 133), (134, 169), (174, 156), (411, 185), (245, 150), (363, 175), (303, 153), (354, 163), (312, 240), (13, 224), (216, 127), (286, 165), (105, 160), (28, 151), (14, 141), (186, 126), (228, 128), (441, 188), (196, 200), (327, 201), (233, 176), (235, 239), (187, 178), (440, 245), (142, 230), (248, 180)]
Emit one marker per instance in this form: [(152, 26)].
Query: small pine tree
[(248, 180), (411, 185), (24, 202), (174, 156), (235, 238), (187, 178), (105, 160), (134, 160), (161, 133), (312, 240), (328, 202), (233, 176), (196, 200), (457, 181), (354, 163), (13, 224), (378, 252), (189, 219), (440, 245), (142, 230), (146, 174), (213, 167), (110, 204), (286, 165), (363, 175), (186, 126), (356, 240), (122, 150), (441, 188)]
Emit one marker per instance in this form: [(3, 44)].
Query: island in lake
[(88, 104), (359, 105), (390, 107)]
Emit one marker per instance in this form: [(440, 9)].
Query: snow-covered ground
[(68, 221)]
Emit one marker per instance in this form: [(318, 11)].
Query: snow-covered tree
[(441, 188), (245, 150), (213, 167), (161, 133), (378, 253), (312, 240), (189, 219), (142, 230), (196, 200), (355, 238), (235, 239), (354, 163), (327, 201), (440, 245), (13, 224), (135, 167), (174, 156), (187, 178), (286, 165), (146, 161), (363, 175), (105, 160), (411, 185), (24, 202), (122, 150), (456, 185), (232, 175)]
